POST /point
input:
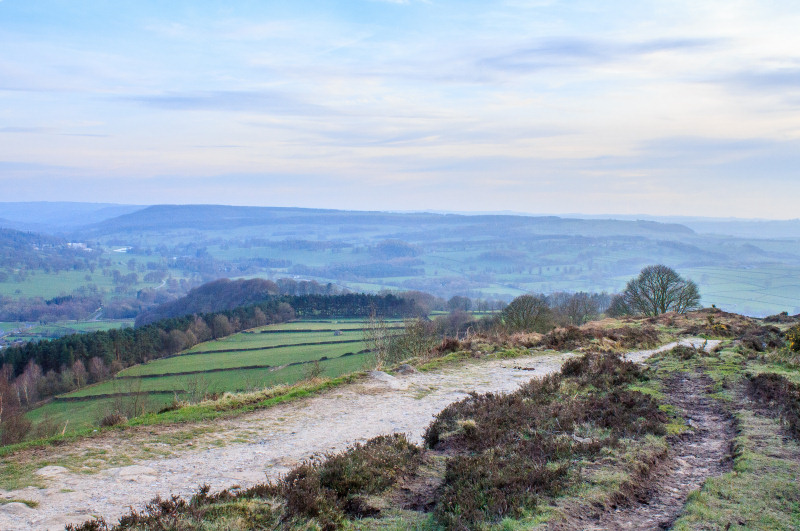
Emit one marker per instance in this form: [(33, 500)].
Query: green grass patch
[(274, 357), (229, 380), (30, 503), (762, 491), (252, 340)]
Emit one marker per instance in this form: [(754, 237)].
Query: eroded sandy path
[(267, 443)]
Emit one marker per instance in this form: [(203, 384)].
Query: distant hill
[(219, 217), (58, 217), (738, 227), (748, 228), (219, 295)]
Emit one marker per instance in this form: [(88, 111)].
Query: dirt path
[(247, 449), (702, 453)]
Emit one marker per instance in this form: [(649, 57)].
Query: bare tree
[(527, 313), (573, 308), (377, 337), (580, 308), (658, 289), (417, 340)]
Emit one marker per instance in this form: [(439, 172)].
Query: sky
[(669, 107)]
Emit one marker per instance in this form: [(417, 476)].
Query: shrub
[(509, 449), (683, 352), (793, 338), (331, 488), (14, 427), (774, 390), (564, 338), (493, 485), (448, 344), (112, 419)]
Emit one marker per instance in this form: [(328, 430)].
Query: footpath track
[(700, 453), (250, 448)]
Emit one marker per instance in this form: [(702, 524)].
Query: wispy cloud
[(777, 79), (272, 102), (405, 104), (25, 129), (566, 52)]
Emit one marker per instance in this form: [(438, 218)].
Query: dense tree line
[(44, 368), (540, 313), (57, 308), (225, 294)]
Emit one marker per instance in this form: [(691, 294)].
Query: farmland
[(254, 359), (160, 253)]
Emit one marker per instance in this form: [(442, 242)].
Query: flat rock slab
[(17, 508), (133, 473), (388, 379), (51, 471)]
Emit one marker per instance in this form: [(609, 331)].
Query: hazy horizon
[(684, 109), (578, 215)]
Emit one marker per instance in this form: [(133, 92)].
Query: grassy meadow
[(250, 360)]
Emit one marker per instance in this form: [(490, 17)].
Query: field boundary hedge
[(309, 330), (116, 395), (190, 373), (250, 349)]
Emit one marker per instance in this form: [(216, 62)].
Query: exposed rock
[(51, 471), (406, 369), (133, 473), (17, 508), (388, 379)]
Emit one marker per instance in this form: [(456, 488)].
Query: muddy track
[(703, 452)]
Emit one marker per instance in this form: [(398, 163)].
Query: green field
[(9, 326), (339, 324), (76, 416), (287, 365), (257, 340), (47, 285), (218, 382), (62, 328), (230, 360), (763, 291)]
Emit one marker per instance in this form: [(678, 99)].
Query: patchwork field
[(255, 359)]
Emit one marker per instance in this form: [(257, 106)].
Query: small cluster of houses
[(7, 339)]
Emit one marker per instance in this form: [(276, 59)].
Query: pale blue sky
[(659, 107)]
